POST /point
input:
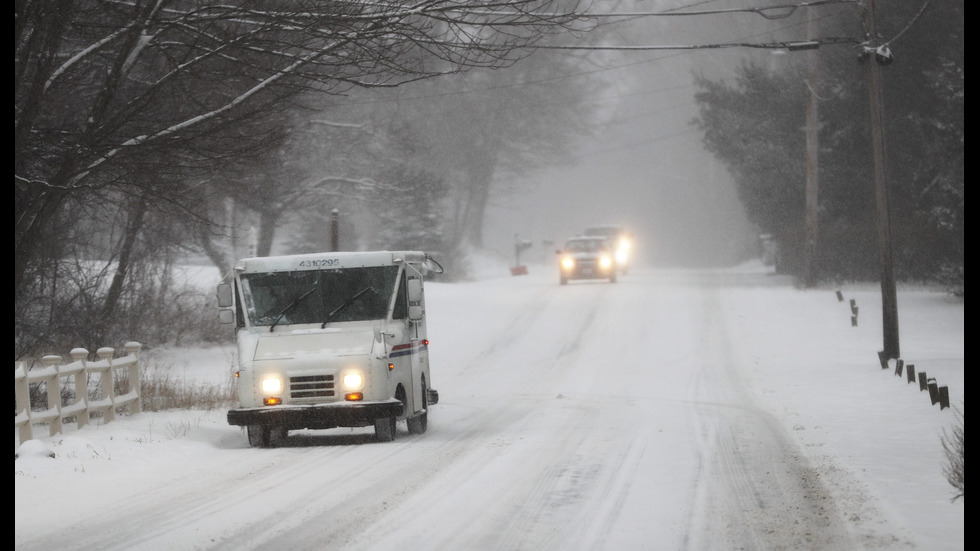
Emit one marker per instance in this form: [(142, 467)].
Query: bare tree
[(105, 90), (484, 129)]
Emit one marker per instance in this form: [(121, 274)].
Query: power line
[(909, 24), (758, 11), (784, 45)]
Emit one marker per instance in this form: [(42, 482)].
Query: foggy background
[(646, 167)]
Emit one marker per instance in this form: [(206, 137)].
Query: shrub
[(953, 446)]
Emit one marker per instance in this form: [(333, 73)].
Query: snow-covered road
[(589, 416)]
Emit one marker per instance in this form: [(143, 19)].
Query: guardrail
[(75, 377)]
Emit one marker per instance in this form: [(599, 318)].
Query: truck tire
[(258, 436), (419, 423), (384, 429), (266, 437), (277, 437)]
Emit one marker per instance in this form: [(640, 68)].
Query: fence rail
[(77, 376)]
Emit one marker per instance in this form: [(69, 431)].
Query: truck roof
[(605, 229), (327, 260)]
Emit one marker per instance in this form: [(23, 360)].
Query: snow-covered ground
[(675, 409)]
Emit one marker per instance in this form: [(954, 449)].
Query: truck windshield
[(309, 296)]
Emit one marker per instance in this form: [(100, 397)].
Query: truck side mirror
[(414, 290), (415, 312), (224, 295), (226, 316)]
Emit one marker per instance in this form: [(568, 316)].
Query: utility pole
[(889, 302), (812, 156)]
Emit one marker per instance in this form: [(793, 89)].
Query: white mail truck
[(326, 340)]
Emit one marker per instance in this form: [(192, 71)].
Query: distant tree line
[(148, 130), (755, 123)]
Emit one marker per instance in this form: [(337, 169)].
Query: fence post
[(133, 348), (54, 394), (81, 385), (22, 395), (923, 383), (898, 367), (107, 379), (910, 371), (943, 397), (933, 390)]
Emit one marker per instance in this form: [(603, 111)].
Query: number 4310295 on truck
[(330, 340)]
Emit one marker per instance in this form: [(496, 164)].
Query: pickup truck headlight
[(353, 380), (271, 385), (568, 263), (623, 250), (605, 262)]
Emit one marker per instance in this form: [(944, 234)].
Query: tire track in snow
[(755, 489)]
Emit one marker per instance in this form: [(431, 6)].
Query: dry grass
[(161, 389), (953, 446)]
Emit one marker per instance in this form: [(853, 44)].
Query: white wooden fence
[(76, 375)]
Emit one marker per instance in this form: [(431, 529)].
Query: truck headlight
[(605, 262), (271, 385), (623, 250), (568, 263), (353, 380)]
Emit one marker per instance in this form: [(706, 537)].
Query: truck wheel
[(277, 437), (418, 424), (384, 429), (258, 436), (564, 281)]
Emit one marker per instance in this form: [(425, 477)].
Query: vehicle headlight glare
[(271, 385), (568, 263), (353, 380), (605, 262)]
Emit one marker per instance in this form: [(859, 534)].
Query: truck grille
[(311, 386)]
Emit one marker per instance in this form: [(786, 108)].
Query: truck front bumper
[(320, 416)]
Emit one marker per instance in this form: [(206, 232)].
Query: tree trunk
[(30, 231), (481, 178), (136, 217), (267, 231)]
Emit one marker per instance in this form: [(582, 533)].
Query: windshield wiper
[(290, 307), (346, 303)]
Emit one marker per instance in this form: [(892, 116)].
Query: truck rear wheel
[(384, 429), (418, 424)]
